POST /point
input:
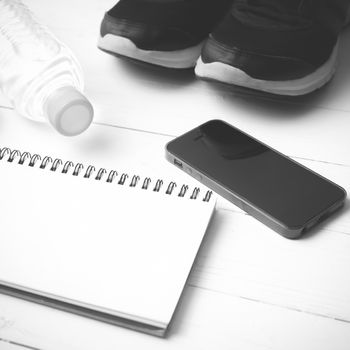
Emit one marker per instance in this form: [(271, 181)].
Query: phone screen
[(251, 170)]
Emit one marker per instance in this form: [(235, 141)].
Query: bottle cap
[(69, 111)]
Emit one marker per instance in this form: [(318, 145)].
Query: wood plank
[(204, 320), (119, 148), (250, 288), (241, 256), (139, 97), (171, 102), (6, 344)]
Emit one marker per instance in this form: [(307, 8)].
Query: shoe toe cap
[(147, 36)]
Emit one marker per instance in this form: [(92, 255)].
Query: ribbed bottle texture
[(39, 74)]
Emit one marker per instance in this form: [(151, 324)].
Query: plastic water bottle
[(39, 74)]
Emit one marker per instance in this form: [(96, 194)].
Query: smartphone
[(276, 190)]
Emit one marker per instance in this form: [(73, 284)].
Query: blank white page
[(114, 248)]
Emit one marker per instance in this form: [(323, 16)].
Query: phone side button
[(198, 176), (188, 170)]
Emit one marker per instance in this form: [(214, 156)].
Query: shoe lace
[(276, 13)]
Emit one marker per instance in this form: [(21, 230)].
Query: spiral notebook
[(108, 245)]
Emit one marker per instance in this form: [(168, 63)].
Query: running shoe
[(285, 47), (167, 33)]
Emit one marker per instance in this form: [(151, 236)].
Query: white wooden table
[(250, 288)]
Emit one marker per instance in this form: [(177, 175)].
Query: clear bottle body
[(33, 63)]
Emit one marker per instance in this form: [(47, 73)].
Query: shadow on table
[(156, 74)]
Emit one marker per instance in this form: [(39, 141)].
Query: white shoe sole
[(227, 74), (180, 59)]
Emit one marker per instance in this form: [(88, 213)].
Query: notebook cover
[(115, 252)]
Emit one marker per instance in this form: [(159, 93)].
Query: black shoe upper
[(277, 39), (164, 25)]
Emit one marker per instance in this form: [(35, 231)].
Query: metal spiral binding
[(170, 188), (68, 167), (45, 161), (56, 163), (78, 168), (13, 155), (158, 185), (207, 196), (3, 152), (111, 176), (195, 193), (90, 169), (35, 158), (24, 157), (100, 173), (146, 183), (123, 178), (134, 181), (183, 190)]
